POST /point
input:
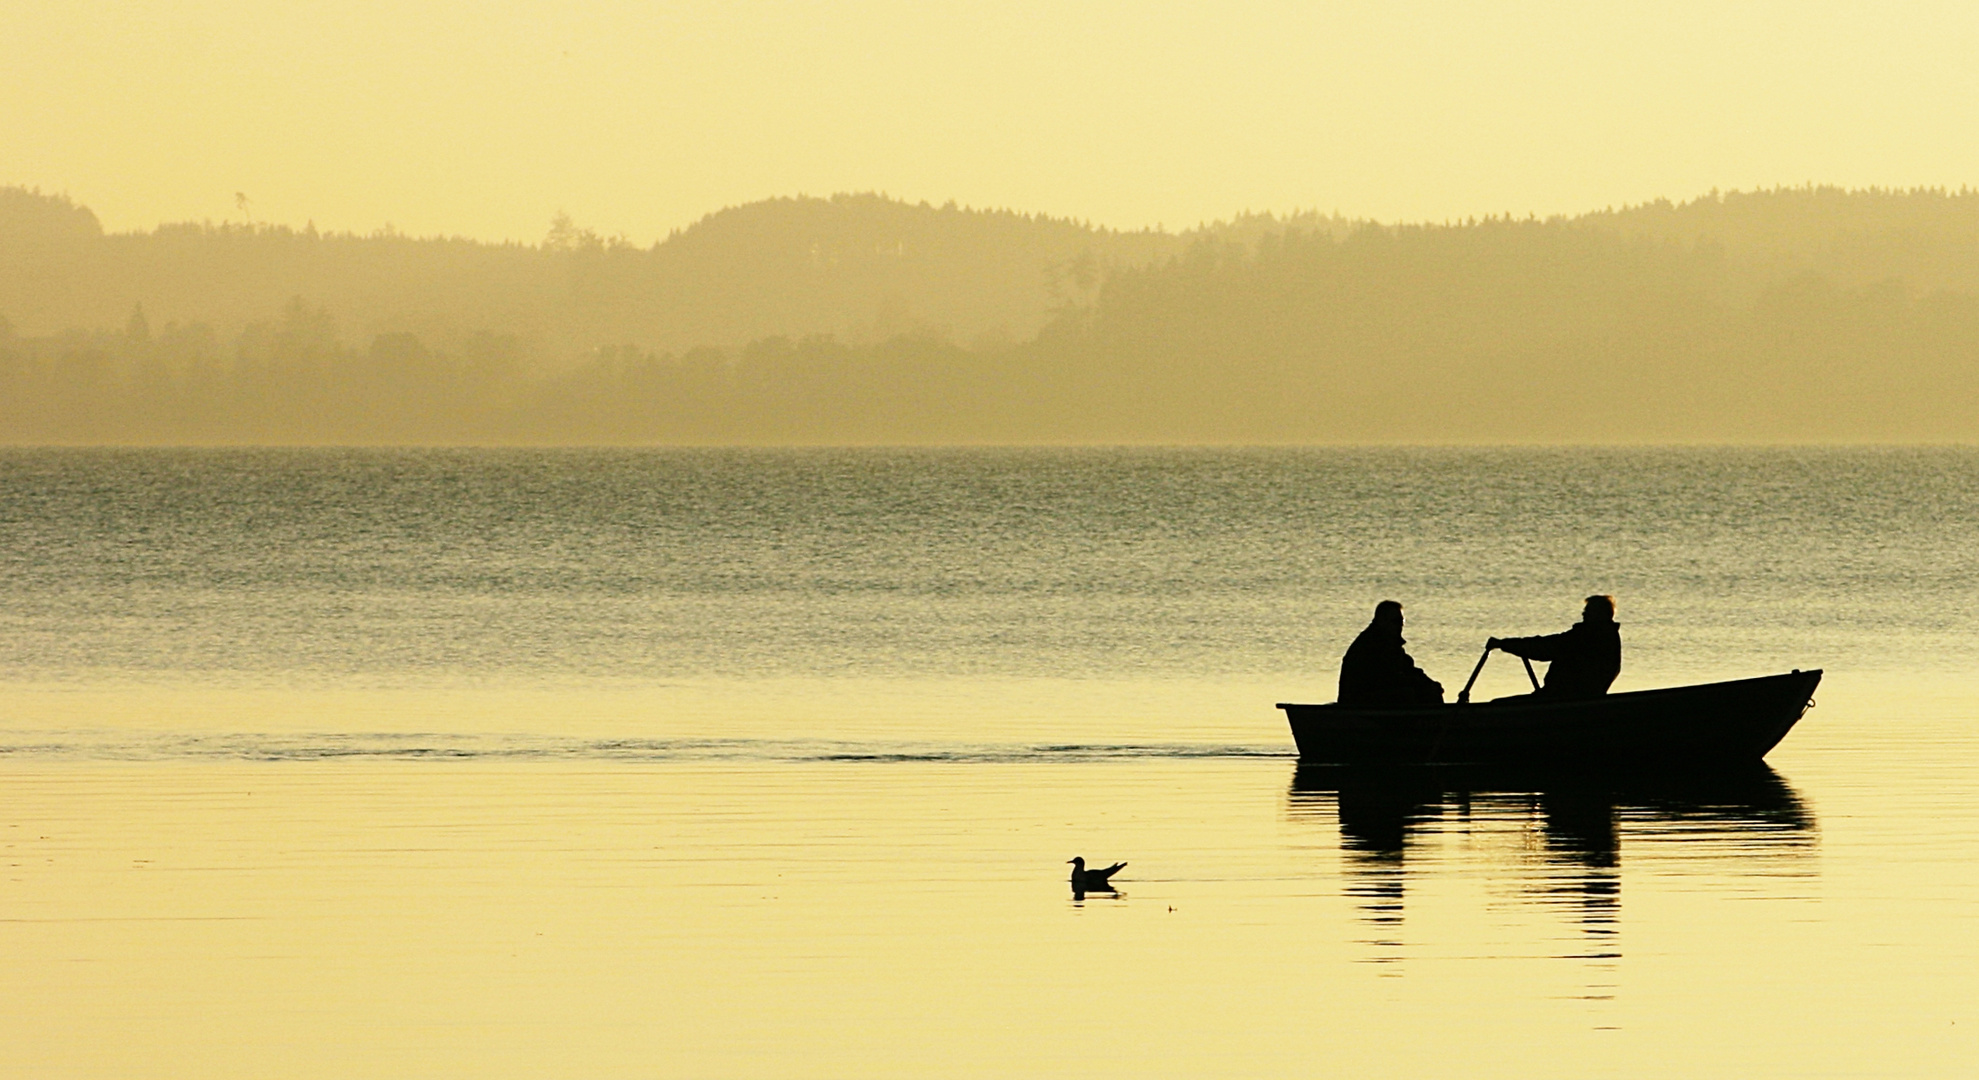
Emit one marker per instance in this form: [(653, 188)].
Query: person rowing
[(1377, 671), (1585, 657)]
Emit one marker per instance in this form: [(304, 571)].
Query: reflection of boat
[(1567, 830), (1382, 810), (1709, 725), (1378, 805)]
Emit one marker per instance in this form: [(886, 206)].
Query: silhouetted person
[(1377, 671), (1585, 657)]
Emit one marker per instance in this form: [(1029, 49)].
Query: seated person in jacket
[(1377, 671), (1586, 656)]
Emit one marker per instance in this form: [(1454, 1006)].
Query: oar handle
[(1529, 674), (1464, 695)]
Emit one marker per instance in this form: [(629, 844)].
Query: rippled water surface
[(669, 763)]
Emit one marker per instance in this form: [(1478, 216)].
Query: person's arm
[(1543, 647)]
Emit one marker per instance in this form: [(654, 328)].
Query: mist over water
[(768, 762)]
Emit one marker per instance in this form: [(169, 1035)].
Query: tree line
[(1669, 329)]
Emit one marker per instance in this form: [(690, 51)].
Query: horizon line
[(390, 231)]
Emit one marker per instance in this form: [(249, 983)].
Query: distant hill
[(855, 267), (1566, 330), (1797, 315), (1927, 239)]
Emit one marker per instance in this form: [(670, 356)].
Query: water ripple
[(119, 746)]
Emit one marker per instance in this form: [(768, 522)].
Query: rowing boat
[(1704, 726)]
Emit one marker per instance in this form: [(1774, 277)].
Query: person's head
[(1599, 609), (1388, 613)]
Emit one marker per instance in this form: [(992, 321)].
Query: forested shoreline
[(1801, 315)]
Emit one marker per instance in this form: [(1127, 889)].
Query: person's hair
[(1393, 607), (1602, 603)]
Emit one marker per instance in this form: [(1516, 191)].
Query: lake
[(720, 763)]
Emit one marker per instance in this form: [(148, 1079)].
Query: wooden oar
[(1464, 695), (1529, 674)]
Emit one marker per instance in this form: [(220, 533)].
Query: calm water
[(601, 764)]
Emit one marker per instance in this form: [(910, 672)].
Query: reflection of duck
[(1581, 819)]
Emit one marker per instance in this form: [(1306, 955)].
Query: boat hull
[(1709, 725)]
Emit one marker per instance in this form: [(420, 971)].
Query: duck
[(1094, 880)]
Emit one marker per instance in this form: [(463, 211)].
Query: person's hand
[(1490, 643)]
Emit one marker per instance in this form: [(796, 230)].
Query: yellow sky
[(484, 119)]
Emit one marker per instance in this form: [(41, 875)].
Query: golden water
[(264, 814)]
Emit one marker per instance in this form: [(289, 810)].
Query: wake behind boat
[(1711, 725)]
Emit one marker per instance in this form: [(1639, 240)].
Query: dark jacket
[(1377, 672), (1586, 658)]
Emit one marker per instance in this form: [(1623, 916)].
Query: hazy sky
[(484, 119)]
